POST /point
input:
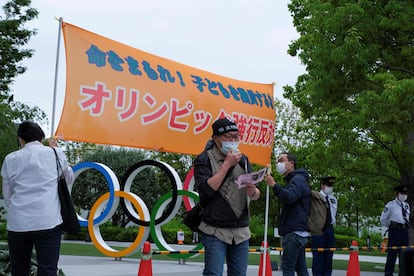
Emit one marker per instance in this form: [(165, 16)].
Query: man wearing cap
[(225, 217), (395, 216), (322, 261)]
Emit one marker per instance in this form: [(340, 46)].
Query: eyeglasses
[(228, 136)]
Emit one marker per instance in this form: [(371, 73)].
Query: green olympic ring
[(156, 228)]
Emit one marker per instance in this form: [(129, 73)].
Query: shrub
[(128, 234)]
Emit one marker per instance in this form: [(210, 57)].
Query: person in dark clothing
[(322, 261), (293, 224), (225, 217)]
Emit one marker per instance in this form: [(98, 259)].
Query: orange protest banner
[(119, 95)]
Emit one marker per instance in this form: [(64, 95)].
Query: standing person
[(322, 261), (32, 203), (293, 223), (225, 217), (395, 216)]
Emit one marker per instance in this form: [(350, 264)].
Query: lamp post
[(357, 221)]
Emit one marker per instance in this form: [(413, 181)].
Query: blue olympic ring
[(107, 204), (113, 185)]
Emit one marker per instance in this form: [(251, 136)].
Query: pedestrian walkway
[(107, 266)]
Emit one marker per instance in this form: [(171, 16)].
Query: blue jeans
[(215, 252), (47, 246), (293, 258), (322, 261)]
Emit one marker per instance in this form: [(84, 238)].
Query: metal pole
[(265, 230), (357, 215), (56, 78)]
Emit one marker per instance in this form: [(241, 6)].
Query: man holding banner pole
[(225, 217), (293, 225)]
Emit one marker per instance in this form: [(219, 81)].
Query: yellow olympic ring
[(95, 233)]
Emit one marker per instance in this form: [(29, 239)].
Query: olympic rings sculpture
[(135, 208)]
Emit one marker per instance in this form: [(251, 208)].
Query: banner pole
[(267, 214), (265, 230), (56, 78)]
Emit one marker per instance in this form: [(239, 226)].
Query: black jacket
[(217, 212)]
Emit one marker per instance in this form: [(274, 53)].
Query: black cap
[(223, 125), (328, 180), (401, 189)]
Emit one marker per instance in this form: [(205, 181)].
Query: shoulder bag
[(67, 210)]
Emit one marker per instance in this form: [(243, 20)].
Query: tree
[(13, 36), (357, 96)]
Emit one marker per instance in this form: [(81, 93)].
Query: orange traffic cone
[(353, 264), (145, 265), (268, 266)]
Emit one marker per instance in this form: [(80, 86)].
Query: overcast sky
[(240, 39)]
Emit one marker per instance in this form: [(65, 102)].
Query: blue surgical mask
[(227, 146)]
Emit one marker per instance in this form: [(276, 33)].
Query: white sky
[(240, 39)]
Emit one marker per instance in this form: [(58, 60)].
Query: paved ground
[(108, 266)]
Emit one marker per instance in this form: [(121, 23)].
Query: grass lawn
[(89, 249)]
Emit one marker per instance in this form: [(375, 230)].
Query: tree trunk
[(408, 179)]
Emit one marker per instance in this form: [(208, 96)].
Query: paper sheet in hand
[(254, 178)]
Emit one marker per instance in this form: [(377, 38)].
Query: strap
[(58, 165), (328, 220), (229, 172)]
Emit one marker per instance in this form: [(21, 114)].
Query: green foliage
[(127, 234), (3, 224), (356, 98), (76, 150), (344, 230), (180, 162), (346, 241), (375, 238), (13, 36)]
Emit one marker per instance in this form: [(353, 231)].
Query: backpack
[(318, 213)]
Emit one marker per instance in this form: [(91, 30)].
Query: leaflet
[(253, 177)]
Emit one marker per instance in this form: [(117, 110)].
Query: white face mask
[(227, 146), (281, 168), (402, 197), (328, 190)]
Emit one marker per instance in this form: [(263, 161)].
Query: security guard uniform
[(395, 216), (322, 261)]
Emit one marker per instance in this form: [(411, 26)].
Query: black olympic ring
[(127, 181)]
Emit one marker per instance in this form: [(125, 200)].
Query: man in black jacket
[(293, 224), (225, 217)]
